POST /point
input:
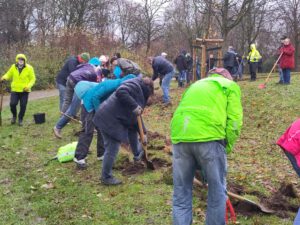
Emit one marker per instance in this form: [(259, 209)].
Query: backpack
[(129, 67), (66, 153)]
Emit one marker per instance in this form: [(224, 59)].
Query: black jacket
[(69, 66), (115, 116), (181, 62), (161, 66), (229, 59)]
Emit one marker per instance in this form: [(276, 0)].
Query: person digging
[(116, 119), (204, 128), (22, 78)]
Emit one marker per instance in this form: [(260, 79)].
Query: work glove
[(138, 110), (145, 141)]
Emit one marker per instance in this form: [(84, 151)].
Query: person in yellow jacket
[(253, 58), (22, 78)]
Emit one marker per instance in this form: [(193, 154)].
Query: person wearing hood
[(181, 65), (116, 118), (22, 78), (253, 58), (69, 66), (84, 72), (230, 60), (204, 128), (92, 95), (287, 61)]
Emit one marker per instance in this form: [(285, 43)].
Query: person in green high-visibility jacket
[(253, 58), (204, 128), (22, 78)]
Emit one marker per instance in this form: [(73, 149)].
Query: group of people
[(113, 93)]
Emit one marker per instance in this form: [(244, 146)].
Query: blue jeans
[(181, 77), (286, 73), (71, 112), (61, 89), (293, 162), (112, 146), (211, 158), (297, 219), (165, 85), (280, 75)]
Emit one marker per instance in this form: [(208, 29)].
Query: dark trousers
[(253, 69), (86, 136), (15, 97)]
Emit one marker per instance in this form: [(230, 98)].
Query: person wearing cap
[(22, 78), (69, 66), (84, 72), (204, 128), (163, 69), (163, 54)]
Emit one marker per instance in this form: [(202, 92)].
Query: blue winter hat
[(95, 61)]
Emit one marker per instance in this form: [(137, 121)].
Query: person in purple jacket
[(84, 72)]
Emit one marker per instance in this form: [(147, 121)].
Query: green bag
[(66, 153)]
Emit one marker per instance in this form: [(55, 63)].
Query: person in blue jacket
[(92, 95), (164, 69)]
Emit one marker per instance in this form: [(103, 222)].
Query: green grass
[(77, 196)]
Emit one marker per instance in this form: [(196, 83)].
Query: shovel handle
[(268, 77), (71, 118), (140, 124)]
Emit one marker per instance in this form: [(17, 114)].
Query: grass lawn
[(32, 193)]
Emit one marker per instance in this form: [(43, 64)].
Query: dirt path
[(34, 95)]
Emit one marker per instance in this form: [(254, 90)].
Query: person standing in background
[(253, 59), (287, 61), (22, 78)]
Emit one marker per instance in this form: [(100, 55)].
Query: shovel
[(71, 118), (148, 162), (230, 194), (262, 86), (1, 100)]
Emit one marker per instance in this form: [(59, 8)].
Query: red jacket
[(287, 60), (290, 140)]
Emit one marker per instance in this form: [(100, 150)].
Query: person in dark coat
[(189, 62), (69, 66), (210, 62), (163, 69), (230, 60), (287, 61), (181, 65), (116, 118)]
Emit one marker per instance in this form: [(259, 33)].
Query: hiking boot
[(111, 181), (20, 123), (57, 132), (81, 164), (13, 120)]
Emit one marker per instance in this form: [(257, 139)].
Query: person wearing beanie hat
[(204, 128), (95, 61), (69, 66), (71, 105), (84, 57)]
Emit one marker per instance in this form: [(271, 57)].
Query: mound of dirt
[(288, 190), (159, 163)]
